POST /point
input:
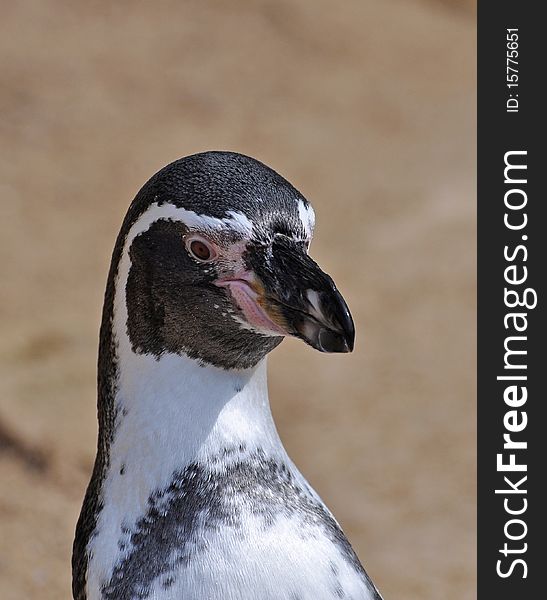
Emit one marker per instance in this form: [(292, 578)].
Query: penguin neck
[(172, 412)]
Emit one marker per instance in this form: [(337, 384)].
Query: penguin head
[(213, 263)]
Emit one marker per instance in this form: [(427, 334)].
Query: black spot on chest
[(180, 519)]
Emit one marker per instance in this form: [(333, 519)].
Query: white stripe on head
[(236, 221), (307, 217)]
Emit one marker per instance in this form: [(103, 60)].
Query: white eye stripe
[(236, 221)]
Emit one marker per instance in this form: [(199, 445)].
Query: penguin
[(192, 494)]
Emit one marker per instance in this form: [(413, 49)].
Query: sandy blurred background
[(368, 108)]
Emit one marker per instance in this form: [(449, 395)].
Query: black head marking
[(174, 306)]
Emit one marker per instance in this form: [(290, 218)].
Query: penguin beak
[(319, 317), (284, 292)]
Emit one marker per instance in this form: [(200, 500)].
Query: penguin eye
[(200, 249)]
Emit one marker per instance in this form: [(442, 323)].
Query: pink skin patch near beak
[(247, 299)]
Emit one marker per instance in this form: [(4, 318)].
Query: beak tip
[(334, 332), (341, 317), (351, 344), (334, 341)]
